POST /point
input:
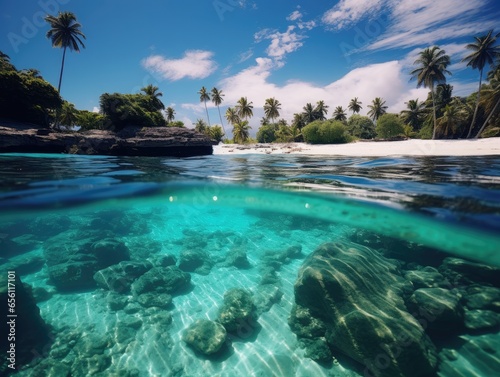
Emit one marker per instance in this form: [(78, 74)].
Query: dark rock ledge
[(132, 141)]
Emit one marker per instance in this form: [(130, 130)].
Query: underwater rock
[(481, 297), (358, 296), (238, 312), (195, 260), (481, 319), (438, 310), (159, 300), (116, 301), (31, 334), (74, 257), (268, 275), (23, 264), (266, 296), (427, 277), (110, 251), (164, 260), (317, 349), (120, 277), (459, 271), (157, 280), (305, 324), (205, 336), (90, 366), (237, 257), (473, 356), (40, 294)]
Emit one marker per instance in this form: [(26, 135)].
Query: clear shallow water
[(218, 204)]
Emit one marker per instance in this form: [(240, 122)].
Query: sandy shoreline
[(414, 147)]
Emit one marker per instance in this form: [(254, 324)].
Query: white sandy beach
[(414, 147)]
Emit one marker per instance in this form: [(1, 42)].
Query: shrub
[(266, 133), (389, 125), (361, 127), (325, 132)]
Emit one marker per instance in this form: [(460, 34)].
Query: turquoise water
[(230, 222)]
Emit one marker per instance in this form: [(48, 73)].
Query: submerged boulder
[(238, 312), (355, 298), (170, 280), (205, 336), (120, 277)]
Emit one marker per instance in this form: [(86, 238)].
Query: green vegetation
[(377, 108), (267, 133), (326, 132), (217, 100), (389, 126), (130, 110), (361, 127), (241, 132), (30, 98), (204, 97)]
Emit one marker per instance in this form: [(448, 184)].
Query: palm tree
[(264, 121), (377, 108), (200, 126), (68, 115), (65, 33), (415, 114), (339, 114), (321, 110), (484, 52), (309, 113), (298, 121), (492, 100), (154, 96), (431, 70), (241, 132), (272, 108), (170, 114), (355, 105), (244, 108), (452, 116), (217, 100), (232, 116), (204, 97), (35, 73)]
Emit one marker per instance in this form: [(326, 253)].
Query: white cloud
[(95, 109), (195, 64), (244, 56), (281, 43), (410, 23), (348, 12), (295, 15)]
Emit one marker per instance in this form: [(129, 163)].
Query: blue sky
[(296, 51)]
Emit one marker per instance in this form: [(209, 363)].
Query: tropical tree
[(377, 108), (264, 121), (492, 98), (68, 115), (309, 114), (170, 112), (484, 52), (216, 133), (321, 110), (217, 100), (200, 126), (204, 97), (244, 108), (298, 121), (339, 114), (389, 126), (355, 105), (154, 96), (415, 113), (241, 132), (361, 126), (65, 33), (448, 123), (272, 108), (232, 116), (431, 70)]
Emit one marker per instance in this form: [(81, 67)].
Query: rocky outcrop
[(355, 299), (159, 141)]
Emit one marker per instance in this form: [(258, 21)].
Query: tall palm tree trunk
[(487, 119), (433, 113), (62, 69), (206, 109), (477, 104), (222, 124)]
